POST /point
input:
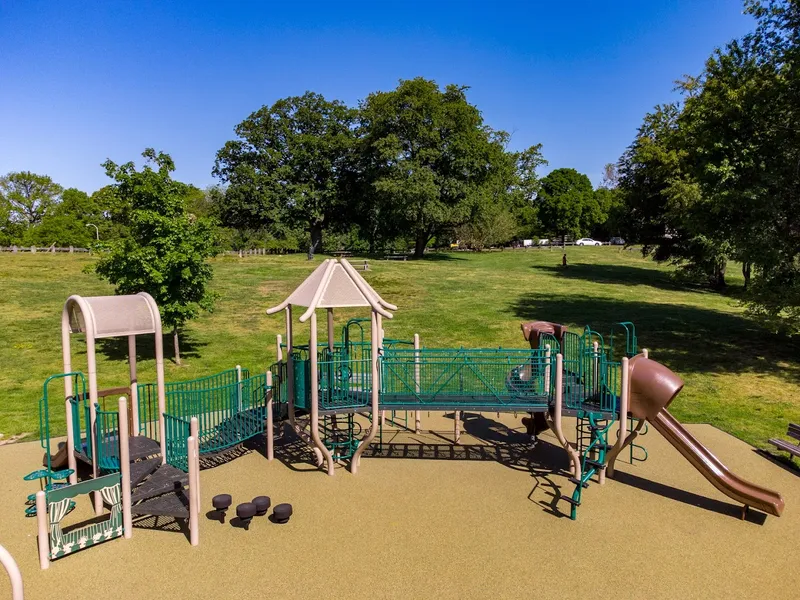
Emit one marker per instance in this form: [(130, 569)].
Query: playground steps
[(163, 480), (143, 447), (174, 504), (235, 429), (141, 470)]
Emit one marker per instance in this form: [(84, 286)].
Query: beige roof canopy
[(335, 284), (113, 316)]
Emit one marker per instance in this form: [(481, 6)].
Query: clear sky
[(84, 81)]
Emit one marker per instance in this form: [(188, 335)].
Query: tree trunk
[(177, 346), (719, 274), (316, 239), (746, 271), (419, 245)]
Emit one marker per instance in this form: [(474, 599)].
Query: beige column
[(162, 399), (289, 367), (315, 397), (279, 350), (134, 385), (43, 529), (92, 426), (555, 421), (379, 338), (645, 353), (67, 358), (417, 413), (330, 330), (622, 434), (270, 420), (375, 391), (125, 468), (194, 429), (194, 533)]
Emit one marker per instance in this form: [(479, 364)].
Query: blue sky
[(84, 81)]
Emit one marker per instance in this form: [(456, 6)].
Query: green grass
[(738, 376)]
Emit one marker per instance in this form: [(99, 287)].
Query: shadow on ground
[(667, 491), (689, 339), (116, 349), (616, 274)]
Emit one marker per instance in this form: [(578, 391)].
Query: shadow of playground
[(688, 339)]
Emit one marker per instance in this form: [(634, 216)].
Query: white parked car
[(588, 242)]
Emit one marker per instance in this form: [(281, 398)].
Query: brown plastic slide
[(59, 459), (652, 387)]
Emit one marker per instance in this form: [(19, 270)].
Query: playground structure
[(324, 384), (14, 575), (145, 456), (133, 474)]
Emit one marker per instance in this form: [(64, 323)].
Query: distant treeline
[(406, 169)]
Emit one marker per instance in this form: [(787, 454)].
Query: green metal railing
[(107, 439), (176, 432), (177, 391), (344, 382), (466, 377)]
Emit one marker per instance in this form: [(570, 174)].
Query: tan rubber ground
[(477, 523)]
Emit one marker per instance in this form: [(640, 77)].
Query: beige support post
[(239, 387), (162, 399), (326, 454), (555, 421), (622, 433), (547, 355), (645, 353), (134, 385), (67, 357), (456, 426), (417, 413), (14, 575), (289, 367), (194, 432), (373, 430), (44, 533), (125, 468), (279, 350), (270, 424), (194, 533), (380, 352), (595, 365), (330, 330)]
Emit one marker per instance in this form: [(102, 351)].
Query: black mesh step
[(141, 470), (594, 463), (570, 500), (143, 447), (165, 479), (175, 504), (577, 481)]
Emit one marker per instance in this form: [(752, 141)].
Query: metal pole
[(417, 413)]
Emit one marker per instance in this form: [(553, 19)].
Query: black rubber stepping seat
[(246, 512), (282, 512), (262, 505), (221, 503)]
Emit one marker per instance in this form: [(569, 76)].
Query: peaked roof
[(335, 284)]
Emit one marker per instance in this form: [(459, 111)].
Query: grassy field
[(738, 376)]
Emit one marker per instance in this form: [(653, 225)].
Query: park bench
[(343, 253), (792, 449), (396, 257)]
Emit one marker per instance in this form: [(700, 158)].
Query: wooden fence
[(34, 249)]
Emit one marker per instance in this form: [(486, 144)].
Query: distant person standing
[(564, 260)]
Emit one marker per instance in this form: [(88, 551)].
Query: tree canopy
[(567, 203), (166, 251), (286, 166)]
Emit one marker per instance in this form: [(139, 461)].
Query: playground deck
[(473, 521)]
